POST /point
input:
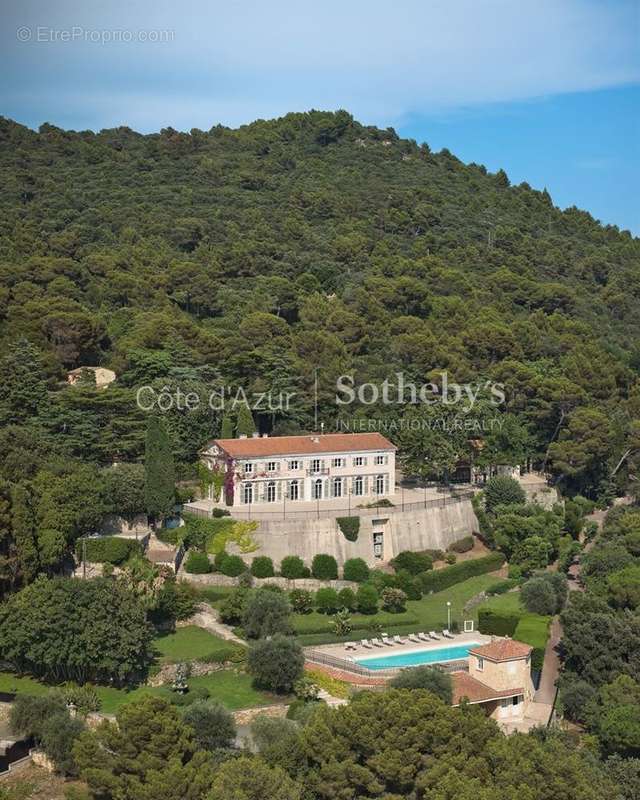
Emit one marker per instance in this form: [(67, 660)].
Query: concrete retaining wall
[(311, 584)]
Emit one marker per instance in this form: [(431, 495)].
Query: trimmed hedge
[(497, 623), (437, 580), (262, 567), (350, 526), (324, 567), (232, 566), (310, 624), (108, 549), (355, 569), (197, 563), (293, 567)]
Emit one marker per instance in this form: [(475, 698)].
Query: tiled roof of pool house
[(503, 649)]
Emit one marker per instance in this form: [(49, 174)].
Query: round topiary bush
[(347, 599), (502, 490), (232, 566), (197, 563), (293, 567), (324, 567), (327, 600), (412, 562), (355, 569), (367, 599), (262, 567)]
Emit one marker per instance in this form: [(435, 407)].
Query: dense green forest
[(308, 245)]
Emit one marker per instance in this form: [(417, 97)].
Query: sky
[(548, 90)]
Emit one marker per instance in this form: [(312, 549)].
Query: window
[(294, 490), (271, 492), (247, 493), (516, 700), (272, 466), (358, 461), (358, 485), (294, 465), (317, 489), (337, 487), (380, 460), (248, 467), (379, 484), (337, 462), (480, 664), (316, 465)]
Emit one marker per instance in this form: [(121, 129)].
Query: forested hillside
[(254, 256)]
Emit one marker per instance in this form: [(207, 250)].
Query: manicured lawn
[(213, 594), (532, 629), (429, 613), (11, 683), (188, 643)]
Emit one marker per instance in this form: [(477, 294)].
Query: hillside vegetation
[(253, 257)]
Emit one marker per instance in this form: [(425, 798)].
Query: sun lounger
[(366, 643), (433, 635), (414, 638), (377, 642), (424, 636), (350, 646), (398, 640), (387, 640), (447, 634)]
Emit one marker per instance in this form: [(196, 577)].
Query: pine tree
[(159, 472), (23, 388), (245, 425), (25, 530), (226, 431)]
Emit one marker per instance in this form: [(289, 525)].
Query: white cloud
[(234, 61)]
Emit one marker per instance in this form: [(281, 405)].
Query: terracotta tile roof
[(475, 691), (503, 649), (312, 444)]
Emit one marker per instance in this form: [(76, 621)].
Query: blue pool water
[(416, 657)]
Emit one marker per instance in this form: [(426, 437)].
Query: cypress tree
[(25, 530), (245, 424), (226, 431), (159, 472), (23, 388)]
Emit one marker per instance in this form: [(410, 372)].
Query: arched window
[(317, 489), (379, 484), (247, 493), (271, 492), (337, 487), (294, 490), (358, 485)]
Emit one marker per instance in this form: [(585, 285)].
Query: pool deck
[(350, 655)]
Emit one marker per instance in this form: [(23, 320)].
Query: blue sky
[(547, 89)]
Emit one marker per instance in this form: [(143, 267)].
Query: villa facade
[(313, 468)]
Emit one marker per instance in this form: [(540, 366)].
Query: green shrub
[(497, 623), (276, 663), (437, 580), (412, 562), (350, 526), (293, 567), (367, 599), (347, 599), (462, 545), (262, 567), (501, 587), (410, 584), (394, 600), (232, 566), (220, 512), (324, 567), (327, 600), (450, 558), (355, 569), (197, 563), (108, 549), (502, 490), (301, 601)]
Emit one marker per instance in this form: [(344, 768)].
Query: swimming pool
[(414, 658)]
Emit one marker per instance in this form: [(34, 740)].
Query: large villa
[(318, 467)]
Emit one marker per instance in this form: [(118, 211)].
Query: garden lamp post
[(448, 615)]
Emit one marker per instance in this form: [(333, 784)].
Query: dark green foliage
[(347, 599), (266, 613), (324, 567), (245, 425), (293, 567), (197, 563), (497, 623), (327, 601), (415, 563), (159, 489), (23, 388), (575, 697), (355, 569), (58, 737), (437, 580), (501, 491), (434, 680), (249, 778), (226, 429), (367, 599), (301, 601), (394, 600), (276, 663), (262, 567), (545, 594), (70, 629), (124, 489), (410, 584), (108, 549), (462, 545), (502, 587), (232, 608), (350, 527), (213, 725), (231, 566)]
